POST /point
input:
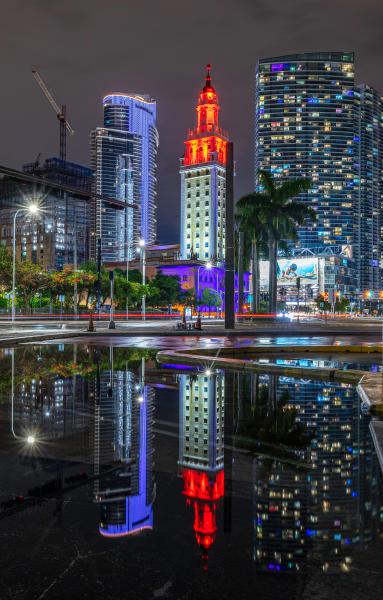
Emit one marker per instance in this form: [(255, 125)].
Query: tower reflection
[(201, 450)]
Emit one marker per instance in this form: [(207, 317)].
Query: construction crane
[(60, 113)]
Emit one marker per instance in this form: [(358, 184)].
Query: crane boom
[(60, 113)]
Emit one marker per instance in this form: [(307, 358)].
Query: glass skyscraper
[(369, 222), (124, 160), (59, 236), (312, 121)]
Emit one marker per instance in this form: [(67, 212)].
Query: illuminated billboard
[(289, 269)]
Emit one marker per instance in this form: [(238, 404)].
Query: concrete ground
[(40, 330)]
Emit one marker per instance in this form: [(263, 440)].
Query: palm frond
[(267, 182), (292, 188)]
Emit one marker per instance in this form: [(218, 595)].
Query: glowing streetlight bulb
[(140, 399), (209, 265), (141, 243), (31, 439), (33, 209), (207, 372)]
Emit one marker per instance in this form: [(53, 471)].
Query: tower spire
[(208, 75)]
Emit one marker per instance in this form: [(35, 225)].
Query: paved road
[(357, 330)]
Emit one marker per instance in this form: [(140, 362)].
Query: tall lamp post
[(142, 247), (229, 241), (30, 438), (32, 209), (127, 281), (112, 324), (208, 266)]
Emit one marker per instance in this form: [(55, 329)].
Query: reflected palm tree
[(271, 419)]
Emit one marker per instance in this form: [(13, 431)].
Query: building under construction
[(59, 234)]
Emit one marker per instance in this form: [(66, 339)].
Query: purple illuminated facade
[(197, 276)]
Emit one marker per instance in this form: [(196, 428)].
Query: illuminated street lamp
[(30, 439), (32, 209), (208, 266)]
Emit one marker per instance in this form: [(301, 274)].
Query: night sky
[(87, 48)]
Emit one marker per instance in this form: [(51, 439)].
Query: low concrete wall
[(369, 385)]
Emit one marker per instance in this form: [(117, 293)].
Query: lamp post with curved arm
[(30, 438), (207, 266), (32, 209)]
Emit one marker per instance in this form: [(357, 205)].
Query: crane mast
[(65, 126)]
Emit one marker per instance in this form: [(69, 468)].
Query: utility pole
[(98, 283), (229, 242), (112, 324), (241, 239), (298, 290), (75, 293)]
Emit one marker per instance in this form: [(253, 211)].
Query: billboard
[(288, 269)]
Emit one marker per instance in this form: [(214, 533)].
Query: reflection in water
[(314, 485), (318, 514), (123, 452), (201, 450)]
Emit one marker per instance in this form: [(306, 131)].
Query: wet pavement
[(145, 482)]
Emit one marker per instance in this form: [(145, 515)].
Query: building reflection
[(318, 514), (201, 450), (50, 405), (123, 452)]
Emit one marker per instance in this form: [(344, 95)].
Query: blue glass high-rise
[(124, 160), (311, 120)]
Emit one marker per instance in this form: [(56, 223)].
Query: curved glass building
[(312, 121), (124, 155), (305, 126)]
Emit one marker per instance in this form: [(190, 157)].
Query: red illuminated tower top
[(204, 494), (208, 107), (207, 142)]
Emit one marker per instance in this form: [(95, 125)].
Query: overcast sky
[(87, 48)]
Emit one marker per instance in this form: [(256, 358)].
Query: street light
[(30, 438), (32, 209), (208, 266), (112, 324), (142, 248)]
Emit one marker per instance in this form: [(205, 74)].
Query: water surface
[(145, 482)]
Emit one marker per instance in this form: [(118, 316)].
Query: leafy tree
[(5, 268), (188, 298), (30, 280), (168, 289), (341, 305), (210, 298)]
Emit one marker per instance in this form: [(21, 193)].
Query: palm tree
[(283, 216), (280, 215), (251, 211)]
